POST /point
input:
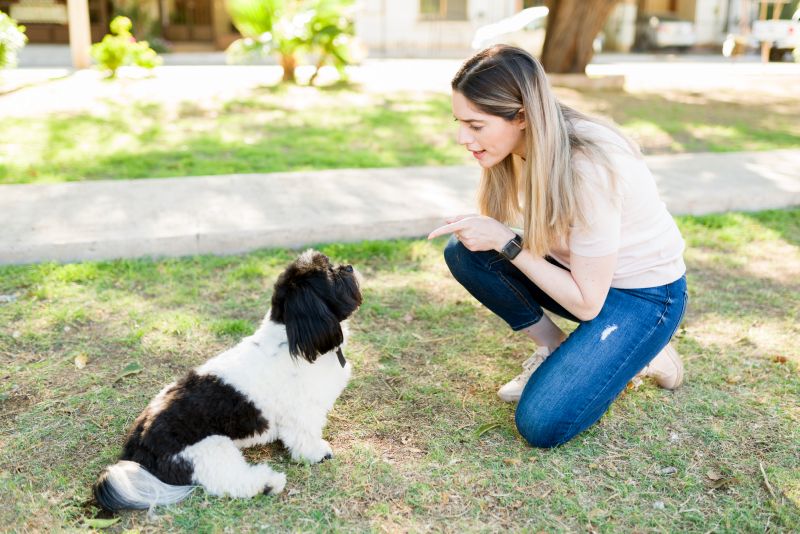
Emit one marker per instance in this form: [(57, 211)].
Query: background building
[(410, 28), (198, 23)]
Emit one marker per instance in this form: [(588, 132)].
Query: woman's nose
[(464, 137)]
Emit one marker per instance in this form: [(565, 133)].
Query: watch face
[(512, 249)]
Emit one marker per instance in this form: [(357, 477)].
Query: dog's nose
[(348, 268)]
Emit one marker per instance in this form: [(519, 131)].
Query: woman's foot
[(666, 368), (512, 391)]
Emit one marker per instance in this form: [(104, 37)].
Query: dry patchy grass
[(422, 442)]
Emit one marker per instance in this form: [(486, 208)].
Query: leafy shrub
[(12, 40), (120, 48), (292, 29)]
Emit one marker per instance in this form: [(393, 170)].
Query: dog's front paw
[(320, 452)]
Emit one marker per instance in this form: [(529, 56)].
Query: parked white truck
[(782, 35)]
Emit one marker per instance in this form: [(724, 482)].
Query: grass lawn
[(303, 128), (421, 440)]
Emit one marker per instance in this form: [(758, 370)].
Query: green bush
[(291, 29), (120, 48), (12, 40)]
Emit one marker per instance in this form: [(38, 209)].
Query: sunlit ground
[(421, 440)]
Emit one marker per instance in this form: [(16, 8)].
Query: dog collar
[(339, 354)]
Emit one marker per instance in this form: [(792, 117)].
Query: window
[(443, 9)]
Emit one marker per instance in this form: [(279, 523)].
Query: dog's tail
[(129, 486)]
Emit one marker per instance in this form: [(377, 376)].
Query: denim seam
[(605, 386), (497, 259), (522, 298)]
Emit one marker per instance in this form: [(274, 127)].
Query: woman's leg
[(546, 333), (574, 387), (507, 292)]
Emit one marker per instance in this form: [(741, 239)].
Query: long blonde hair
[(504, 81)]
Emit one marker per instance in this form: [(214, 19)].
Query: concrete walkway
[(238, 213)]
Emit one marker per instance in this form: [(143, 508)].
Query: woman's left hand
[(477, 233)]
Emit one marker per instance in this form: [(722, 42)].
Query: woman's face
[(490, 138)]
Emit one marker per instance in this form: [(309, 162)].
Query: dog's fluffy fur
[(278, 383)]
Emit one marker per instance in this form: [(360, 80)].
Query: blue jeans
[(574, 387)]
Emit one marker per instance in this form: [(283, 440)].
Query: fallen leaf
[(713, 475), (511, 461), (484, 428), (597, 513), (668, 471), (722, 482), (780, 359), (130, 369), (81, 360), (100, 523), (733, 379)]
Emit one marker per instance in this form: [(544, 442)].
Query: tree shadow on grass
[(694, 122), (381, 136), (785, 222), (427, 362)]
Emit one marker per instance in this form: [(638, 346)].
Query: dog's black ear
[(311, 327)]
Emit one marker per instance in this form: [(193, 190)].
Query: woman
[(598, 246)]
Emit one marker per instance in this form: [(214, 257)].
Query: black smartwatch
[(512, 249)]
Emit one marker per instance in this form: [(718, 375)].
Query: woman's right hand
[(451, 220)]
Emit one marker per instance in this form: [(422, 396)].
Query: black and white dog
[(278, 383)]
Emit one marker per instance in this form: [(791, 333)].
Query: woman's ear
[(521, 120)]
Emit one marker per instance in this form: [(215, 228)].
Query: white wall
[(709, 21), (394, 27)]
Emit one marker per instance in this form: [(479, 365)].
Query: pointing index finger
[(447, 229)]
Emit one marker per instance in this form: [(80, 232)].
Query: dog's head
[(312, 297)]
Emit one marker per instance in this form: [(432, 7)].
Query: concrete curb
[(239, 213)]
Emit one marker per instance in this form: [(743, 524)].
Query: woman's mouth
[(478, 153)]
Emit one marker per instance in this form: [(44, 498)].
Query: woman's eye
[(476, 128)]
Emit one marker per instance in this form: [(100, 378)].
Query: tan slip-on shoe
[(666, 369), (512, 391)]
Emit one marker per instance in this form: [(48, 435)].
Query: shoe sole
[(506, 398)]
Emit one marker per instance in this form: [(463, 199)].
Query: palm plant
[(292, 28)]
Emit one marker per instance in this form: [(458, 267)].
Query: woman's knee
[(540, 430), (459, 259)]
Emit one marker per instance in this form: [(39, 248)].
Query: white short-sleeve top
[(631, 220)]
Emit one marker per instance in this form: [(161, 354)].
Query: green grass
[(676, 122), (305, 128), (269, 131), (421, 440)]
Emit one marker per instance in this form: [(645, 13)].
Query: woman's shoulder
[(609, 160), (604, 134)]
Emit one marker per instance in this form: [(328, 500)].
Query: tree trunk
[(572, 26), (288, 62)]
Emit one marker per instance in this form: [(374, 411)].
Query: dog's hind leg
[(222, 470)]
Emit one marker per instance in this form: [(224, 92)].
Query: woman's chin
[(486, 162)]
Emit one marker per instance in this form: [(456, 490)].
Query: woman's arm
[(582, 290)]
